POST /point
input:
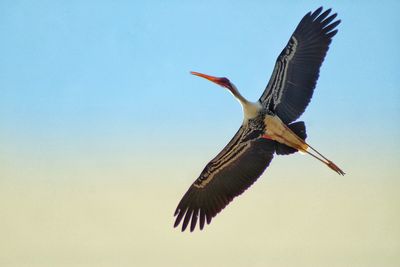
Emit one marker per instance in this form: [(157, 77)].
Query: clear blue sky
[(87, 68), (100, 91)]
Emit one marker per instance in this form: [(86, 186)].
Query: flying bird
[(269, 125)]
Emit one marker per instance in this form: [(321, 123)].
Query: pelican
[(269, 125)]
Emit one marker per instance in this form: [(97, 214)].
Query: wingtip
[(183, 228), (176, 223), (318, 10)]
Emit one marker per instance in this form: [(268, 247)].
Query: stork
[(268, 126)]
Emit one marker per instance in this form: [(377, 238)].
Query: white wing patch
[(231, 156), (275, 92)]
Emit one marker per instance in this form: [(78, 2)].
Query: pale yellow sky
[(290, 217)]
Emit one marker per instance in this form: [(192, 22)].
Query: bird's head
[(222, 81)]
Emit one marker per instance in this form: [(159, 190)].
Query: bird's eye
[(225, 82)]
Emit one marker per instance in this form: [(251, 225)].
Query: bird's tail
[(299, 128)]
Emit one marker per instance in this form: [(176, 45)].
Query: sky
[(102, 130)]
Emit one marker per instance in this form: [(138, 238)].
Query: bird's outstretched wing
[(297, 68), (228, 175)]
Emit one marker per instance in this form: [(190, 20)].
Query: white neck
[(250, 109)]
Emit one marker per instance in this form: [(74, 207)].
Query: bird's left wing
[(228, 175), (297, 68)]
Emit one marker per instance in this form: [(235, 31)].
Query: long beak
[(217, 80)]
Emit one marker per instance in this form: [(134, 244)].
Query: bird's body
[(251, 110), (268, 126)]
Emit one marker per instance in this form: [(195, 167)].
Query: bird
[(269, 125)]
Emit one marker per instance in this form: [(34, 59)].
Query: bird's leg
[(276, 130), (326, 161)]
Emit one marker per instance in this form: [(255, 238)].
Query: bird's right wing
[(228, 175), (297, 68)]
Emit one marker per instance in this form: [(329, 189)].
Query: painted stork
[(268, 126)]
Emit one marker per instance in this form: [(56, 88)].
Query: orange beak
[(218, 80)]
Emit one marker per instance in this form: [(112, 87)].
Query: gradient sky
[(102, 130)]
